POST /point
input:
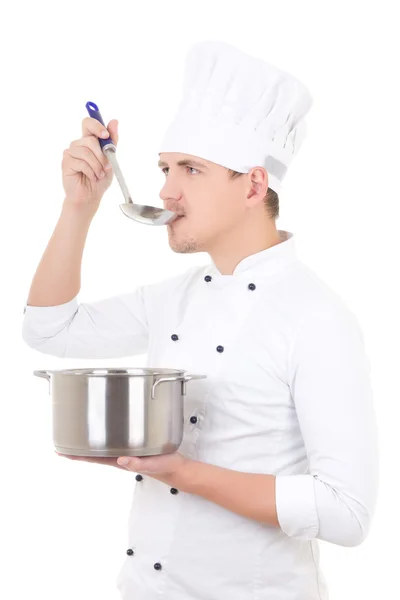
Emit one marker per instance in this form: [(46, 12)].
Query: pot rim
[(114, 371)]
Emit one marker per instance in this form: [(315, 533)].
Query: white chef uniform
[(287, 392)]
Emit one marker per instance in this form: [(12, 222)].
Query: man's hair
[(271, 200)]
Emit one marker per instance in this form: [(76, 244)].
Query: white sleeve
[(109, 328), (329, 378)]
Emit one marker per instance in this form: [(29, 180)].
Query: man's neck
[(231, 250)]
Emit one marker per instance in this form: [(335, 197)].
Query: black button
[(174, 337), (158, 567), (220, 348), (207, 278), (251, 286), (173, 491), (130, 552), (138, 478), (193, 419)]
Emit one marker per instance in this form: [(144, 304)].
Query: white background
[(64, 523)]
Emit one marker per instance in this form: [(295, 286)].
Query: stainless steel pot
[(117, 412)]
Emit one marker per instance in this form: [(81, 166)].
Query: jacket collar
[(264, 262)]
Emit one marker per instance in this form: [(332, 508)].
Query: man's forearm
[(57, 277), (251, 495)]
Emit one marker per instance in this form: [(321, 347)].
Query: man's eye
[(165, 168)]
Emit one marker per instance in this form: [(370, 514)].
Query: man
[(280, 444)]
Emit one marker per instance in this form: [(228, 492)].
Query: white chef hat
[(238, 111)]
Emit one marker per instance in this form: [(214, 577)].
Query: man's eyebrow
[(184, 163)]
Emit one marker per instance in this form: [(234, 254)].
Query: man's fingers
[(113, 129), (91, 126)]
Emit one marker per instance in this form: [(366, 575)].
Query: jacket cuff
[(296, 506), (52, 317)]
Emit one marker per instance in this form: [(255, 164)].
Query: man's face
[(212, 204)]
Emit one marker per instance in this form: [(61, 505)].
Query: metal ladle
[(148, 215)]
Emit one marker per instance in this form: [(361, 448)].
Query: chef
[(280, 440)]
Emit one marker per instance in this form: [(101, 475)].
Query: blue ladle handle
[(94, 112)]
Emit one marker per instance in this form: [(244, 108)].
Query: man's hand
[(165, 467), (102, 460), (168, 468)]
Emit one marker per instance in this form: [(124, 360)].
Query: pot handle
[(189, 377), (43, 374), (184, 379)]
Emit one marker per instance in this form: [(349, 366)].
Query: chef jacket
[(287, 393)]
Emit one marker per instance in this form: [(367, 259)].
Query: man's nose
[(170, 191)]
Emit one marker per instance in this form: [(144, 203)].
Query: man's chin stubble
[(187, 247)]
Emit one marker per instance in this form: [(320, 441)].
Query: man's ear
[(258, 184)]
